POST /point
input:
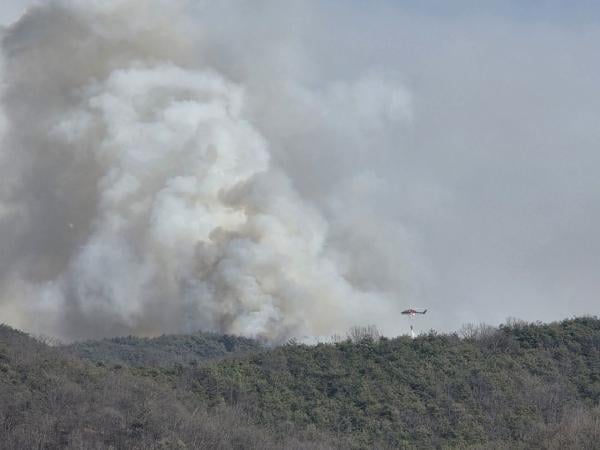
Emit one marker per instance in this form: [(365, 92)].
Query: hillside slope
[(53, 400), (519, 386), (163, 351)]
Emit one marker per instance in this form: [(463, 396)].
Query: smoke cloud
[(295, 168), (139, 195)]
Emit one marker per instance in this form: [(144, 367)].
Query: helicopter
[(414, 311)]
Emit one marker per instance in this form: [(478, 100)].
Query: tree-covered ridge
[(163, 351), (518, 386), (53, 400)]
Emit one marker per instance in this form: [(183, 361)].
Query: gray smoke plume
[(139, 194), (288, 168)]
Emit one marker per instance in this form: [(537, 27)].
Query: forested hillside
[(518, 386), (50, 399), (523, 384), (163, 351)]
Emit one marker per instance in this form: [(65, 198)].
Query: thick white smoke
[(139, 191)]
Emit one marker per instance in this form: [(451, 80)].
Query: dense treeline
[(518, 386), (163, 351), (50, 399), (521, 385)]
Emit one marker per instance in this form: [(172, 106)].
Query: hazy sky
[(484, 201), (495, 182), (11, 10)]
